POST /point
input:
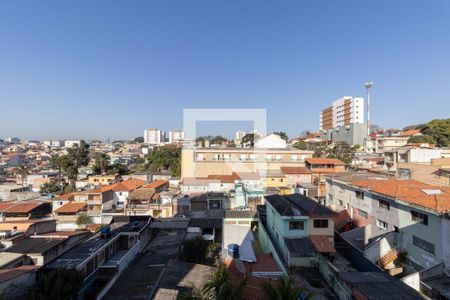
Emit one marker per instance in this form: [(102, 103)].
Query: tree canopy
[(439, 130), (282, 135), (139, 139), (167, 157), (422, 139), (248, 139)]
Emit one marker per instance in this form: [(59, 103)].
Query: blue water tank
[(233, 250)]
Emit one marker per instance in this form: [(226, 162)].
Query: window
[(341, 203), (419, 217), (359, 194), (362, 213), (427, 246), (384, 204), (296, 225), (321, 223), (381, 224)]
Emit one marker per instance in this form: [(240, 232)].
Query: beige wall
[(321, 231), (190, 167), (424, 173)]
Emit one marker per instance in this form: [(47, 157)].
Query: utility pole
[(368, 85)]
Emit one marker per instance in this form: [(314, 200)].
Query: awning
[(322, 244)]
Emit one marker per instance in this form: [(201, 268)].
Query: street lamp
[(368, 85)]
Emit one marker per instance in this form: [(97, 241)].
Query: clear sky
[(93, 69)]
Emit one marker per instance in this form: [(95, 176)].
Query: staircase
[(388, 258)]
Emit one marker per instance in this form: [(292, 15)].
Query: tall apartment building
[(175, 136), (154, 136), (344, 121)]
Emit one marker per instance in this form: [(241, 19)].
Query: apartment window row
[(419, 217), (425, 245), (296, 225)]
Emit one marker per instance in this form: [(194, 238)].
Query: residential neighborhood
[(224, 150)]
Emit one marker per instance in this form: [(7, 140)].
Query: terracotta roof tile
[(295, 170), (128, 185), (71, 207), (414, 192), (156, 184), (324, 161)]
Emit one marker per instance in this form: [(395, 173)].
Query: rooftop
[(77, 255), (324, 161), (410, 191), (34, 245), (295, 170), (156, 184), (298, 205), (379, 286), (71, 207)]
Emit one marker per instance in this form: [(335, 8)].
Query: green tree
[(117, 168), (58, 284), (102, 162), (22, 170), (166, 157), (218, 287), (283, 290), (301, 145), (218, 140), (50, 187), (248, 139), (139, 139), (83, 220), (60, 163), (77, 156), (343, 152), (194, 250), (421, 139), (439, 130), (282, 135)]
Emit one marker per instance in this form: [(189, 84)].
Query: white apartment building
[(175, 136), (70, 144), (154, 136), (344, 111), (344, 121)]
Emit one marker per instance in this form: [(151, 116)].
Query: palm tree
[(102, 161), (218, 287), (284, 290), (60, 163), (23, 172)]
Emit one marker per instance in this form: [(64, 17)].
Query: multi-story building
[(415, 212), (175, 136), (344, 121), (269, 153), (295, 223), (154, 136)]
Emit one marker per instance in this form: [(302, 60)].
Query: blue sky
[(93, 69)]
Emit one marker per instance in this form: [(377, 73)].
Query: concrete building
[(154, 136), (70, 144), (344, 121), (413, 211), (201, 162), (297, 222), (175, 136)]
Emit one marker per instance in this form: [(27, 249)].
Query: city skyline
[(129, 67)]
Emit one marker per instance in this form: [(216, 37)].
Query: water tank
[(233, 250)]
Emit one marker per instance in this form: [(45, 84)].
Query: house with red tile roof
[(414, 214), (320, 167)]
